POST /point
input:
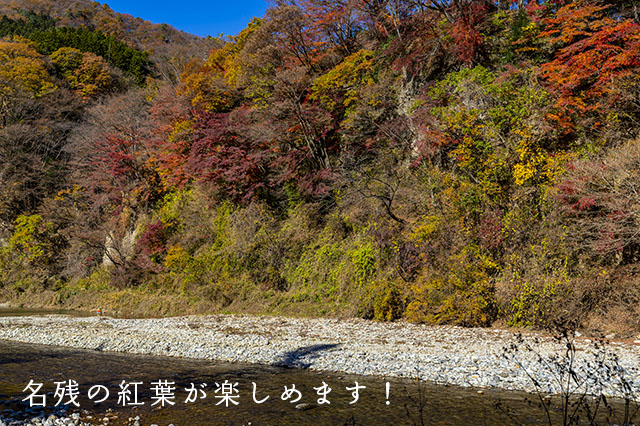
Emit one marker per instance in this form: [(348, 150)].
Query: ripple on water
[(408, 402)]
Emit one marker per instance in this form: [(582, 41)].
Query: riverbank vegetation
[(448, 162)]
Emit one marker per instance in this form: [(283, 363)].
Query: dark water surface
[(440, 405), (20, 312), (409, 402)]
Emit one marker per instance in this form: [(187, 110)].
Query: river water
[(408, 402)]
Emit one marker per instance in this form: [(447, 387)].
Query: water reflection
[(408, 402), (20, 312)]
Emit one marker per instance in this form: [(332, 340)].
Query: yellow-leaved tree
[(88, 74), (23, 73), (212, 84)]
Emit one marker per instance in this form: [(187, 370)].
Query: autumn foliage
[(595, 53), (462, 162)]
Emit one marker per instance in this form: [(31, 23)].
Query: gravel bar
[(51, 420), (469, 357)]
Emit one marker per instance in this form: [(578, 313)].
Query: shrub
[(462, 295), (383, 301)]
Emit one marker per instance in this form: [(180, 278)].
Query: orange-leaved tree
[(595, 51)]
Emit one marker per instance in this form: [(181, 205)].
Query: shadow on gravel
[(293, 359)]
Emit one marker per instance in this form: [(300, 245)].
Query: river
[(408, 402)]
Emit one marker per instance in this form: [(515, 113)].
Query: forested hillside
[(443, 161)]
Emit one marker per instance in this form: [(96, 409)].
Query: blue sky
[(195, 16)]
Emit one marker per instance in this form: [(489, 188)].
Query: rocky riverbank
[(446, 355), (51, 420), (36, 416)]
